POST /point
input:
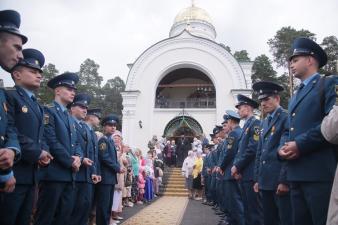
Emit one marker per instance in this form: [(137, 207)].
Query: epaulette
[(10, 88), (104, 137), (50, 105)]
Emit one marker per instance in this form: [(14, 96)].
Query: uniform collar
[(63, 108), (274, 112), (28, 92), (309, 79)]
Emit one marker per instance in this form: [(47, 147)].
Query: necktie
[(300, 88), (269, 120), (35, 103)]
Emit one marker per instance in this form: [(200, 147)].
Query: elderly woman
[(196, 173), (187, 169)]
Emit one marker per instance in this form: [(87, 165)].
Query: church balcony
[(186, 103)]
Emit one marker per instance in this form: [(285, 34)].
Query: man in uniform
[(210, 189), (311, 161), (84, 182), (56, 196), (27, 115), (11, 41), (213, 165), (243, 168), (232, 193), (93, 121), (220, 177), (109, 167), (270, 173)]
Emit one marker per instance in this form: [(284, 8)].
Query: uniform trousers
[(83, 203), (234, 202), (55, 203), (16, 207), (310, 202), (276, 208), (104, 202), (252, 204)]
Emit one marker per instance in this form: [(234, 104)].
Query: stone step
[(175, 194), (175, 179), (174, 182), (175, 189), (175, 185)]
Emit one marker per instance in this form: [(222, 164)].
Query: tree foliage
[(242, 56), (280, 44), (330, 45), (262, 70), (106, 97), (45, 94)]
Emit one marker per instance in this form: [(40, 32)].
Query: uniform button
[(39, 141), (72, 145), (0, 117), (263, 162), (292, 128), (2, 138), (71, 134), (293, 114)]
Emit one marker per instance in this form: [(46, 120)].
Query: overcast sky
[(115, 32)]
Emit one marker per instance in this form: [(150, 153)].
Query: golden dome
[(192, 13)]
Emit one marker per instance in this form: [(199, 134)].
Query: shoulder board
[(51, 105), (10, 89), (103, 138)]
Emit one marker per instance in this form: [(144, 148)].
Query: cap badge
[(24, 109)]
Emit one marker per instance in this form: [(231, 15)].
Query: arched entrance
[(182, 125), (182, 129)]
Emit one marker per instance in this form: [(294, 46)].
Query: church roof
[(192, 13)]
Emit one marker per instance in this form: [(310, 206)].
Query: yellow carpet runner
[(165, 211), (174, 186)]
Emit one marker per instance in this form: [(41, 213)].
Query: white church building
[(182, 84)]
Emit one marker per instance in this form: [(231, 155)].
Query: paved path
[(170, 211)]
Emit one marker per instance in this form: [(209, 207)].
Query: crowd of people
[(278, 169), (54, 166)]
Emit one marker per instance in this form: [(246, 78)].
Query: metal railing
[(185, 103)]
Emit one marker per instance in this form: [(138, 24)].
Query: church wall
[(149, 70)]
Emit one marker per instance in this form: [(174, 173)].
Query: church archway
[(182, 125), (185, 88)]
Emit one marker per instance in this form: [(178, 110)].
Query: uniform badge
[(103, 146), (246, 130), (230, 141), (46, 119), (256, 133), (5, 107), (24, 109), (273, 129)]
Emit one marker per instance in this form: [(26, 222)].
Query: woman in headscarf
[(187, 169)]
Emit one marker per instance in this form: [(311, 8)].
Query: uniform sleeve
[(258, 159), (11, 139), (250, 152), (313, 139), (31, 150), (56, 149), (107, 159)]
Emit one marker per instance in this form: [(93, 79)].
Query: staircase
[(173, 183)]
